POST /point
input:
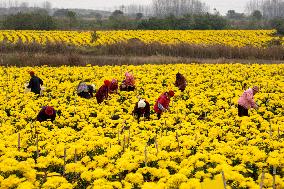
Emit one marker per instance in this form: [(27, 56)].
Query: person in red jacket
[(103, 91), (142, 108), (46, 113), (163, 102)]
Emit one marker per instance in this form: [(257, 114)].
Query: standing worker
[(246, 101), (163, 102), (103, 91), (142, 108), (35, 83), (46, 113), (180, 82)]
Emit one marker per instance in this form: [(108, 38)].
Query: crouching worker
[(163, 102), (46, 113), (113, 86), (142, 109), (103, 91), (247, 102), (85, 91), (129, 83), (35, 83), (180, 82)]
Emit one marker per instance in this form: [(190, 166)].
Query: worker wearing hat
[(142, 109), (163, 102), (46, 113)]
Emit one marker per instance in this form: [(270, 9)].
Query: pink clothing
[(246, 100), (113, 86), (129, 81)]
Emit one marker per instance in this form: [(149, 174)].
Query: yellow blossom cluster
[(200, 136), (235, 38)]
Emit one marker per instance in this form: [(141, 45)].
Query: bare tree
[(178, 7), (46, 5), (133, 9), (269, 8)]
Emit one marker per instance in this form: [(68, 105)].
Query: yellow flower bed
[(109, 157), (236, 38)]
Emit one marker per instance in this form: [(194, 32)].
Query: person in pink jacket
[(129, 83), (247, 102), (163, 102)]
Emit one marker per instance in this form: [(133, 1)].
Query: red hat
[(107, 82), (171, 93), (48, 110), (31, 72)]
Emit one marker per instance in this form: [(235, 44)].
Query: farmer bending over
[(103, 91), (113, 86), (246, 101), (180, 82), (85, 91), (46, 113), (129, 83), (163, 102), (142, 109)]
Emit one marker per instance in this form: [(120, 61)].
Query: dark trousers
[(242, 111), (159, 115), (147, 116)]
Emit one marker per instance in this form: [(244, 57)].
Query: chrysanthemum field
[(198, 139)]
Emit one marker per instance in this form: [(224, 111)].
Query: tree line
[(166, 14)]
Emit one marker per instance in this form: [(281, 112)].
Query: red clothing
[(162, 100), (102, 93), (42, 116)]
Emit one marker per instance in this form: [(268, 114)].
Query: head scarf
[(48, 110), (141, 103), (129, 80)]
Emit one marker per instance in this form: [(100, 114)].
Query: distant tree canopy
[(232, 14), (61, 13), (278, 24), (200, 22), (29, 21), (256, 15)]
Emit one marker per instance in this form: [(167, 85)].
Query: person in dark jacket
[(35, 83), (103, 91), (85, 91), (142, 108), (46, 113), (163, 102), (180, 82)]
